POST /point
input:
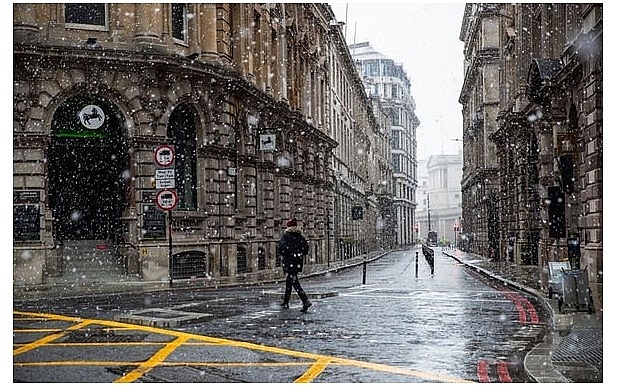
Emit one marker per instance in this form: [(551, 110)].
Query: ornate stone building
[(363, 176), (237, 93), (480, 98), (546, 85), (387, 81)]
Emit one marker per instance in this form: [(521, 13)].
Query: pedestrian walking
[(293, 247)]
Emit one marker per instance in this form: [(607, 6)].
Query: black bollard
[(416, 266), (364, 271)]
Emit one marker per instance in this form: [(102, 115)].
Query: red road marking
[(520, 308), (534, 317), (503, 372), (520, 302), (482, 371)]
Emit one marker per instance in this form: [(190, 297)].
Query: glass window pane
[(179, 21), (85, 13)]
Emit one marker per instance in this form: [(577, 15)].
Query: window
[(89, 15), (179, 22), (396, 163), (395, 117), (395, 139), (181, 130), (372, 67), (394, 91)]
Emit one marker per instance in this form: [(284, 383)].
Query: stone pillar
[(148, 24), (246, 37), (546, 178), (266, 65), (208, 30), (280, 64), (25, 27)]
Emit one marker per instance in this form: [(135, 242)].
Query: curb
[(537, 362)]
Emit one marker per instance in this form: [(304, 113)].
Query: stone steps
[(90, 261)]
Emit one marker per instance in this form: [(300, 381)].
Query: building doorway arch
[(87, 170)]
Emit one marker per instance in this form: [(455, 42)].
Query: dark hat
[(292, 222)]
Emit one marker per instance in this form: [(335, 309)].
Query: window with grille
[(86, 15)]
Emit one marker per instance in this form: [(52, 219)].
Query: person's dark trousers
[(292, 281)]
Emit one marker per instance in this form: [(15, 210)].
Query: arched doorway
[(87, 168)]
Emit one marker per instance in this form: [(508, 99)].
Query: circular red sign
[(166, 199), (164, 155)]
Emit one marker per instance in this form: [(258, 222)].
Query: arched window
[(181, 130)]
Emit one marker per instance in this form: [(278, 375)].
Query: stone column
[(148, 24), (246, 37), (280, 64), (25, 27), (266, 65), (208, 30)]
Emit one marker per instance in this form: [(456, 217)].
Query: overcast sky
[(424, 38)]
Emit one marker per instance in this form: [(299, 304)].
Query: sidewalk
[(573, 349)]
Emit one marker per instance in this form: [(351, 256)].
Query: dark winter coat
[(293, 247)]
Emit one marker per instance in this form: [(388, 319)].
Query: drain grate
[(583, 345), (101, 335)]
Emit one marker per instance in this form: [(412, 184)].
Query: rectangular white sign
[(164, 174), (165, 183)]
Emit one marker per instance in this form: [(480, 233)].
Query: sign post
[(166, 197)]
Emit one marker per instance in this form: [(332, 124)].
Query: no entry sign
[(164, 155), (166, 199)]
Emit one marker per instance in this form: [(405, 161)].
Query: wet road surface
[(399, 326)]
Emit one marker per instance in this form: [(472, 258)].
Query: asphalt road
[(401, 325)]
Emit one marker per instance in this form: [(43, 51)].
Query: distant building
[(439, 197), (387, 80)]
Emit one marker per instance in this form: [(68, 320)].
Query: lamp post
[(428, 214)]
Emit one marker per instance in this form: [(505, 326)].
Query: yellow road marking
[(49, 338), (153, 361), (313, 371), (318, 364), (33, 330), (165, 364)]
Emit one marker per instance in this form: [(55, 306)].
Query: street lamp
[(428, 214)]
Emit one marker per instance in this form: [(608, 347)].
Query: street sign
[(165, 178), (165, 184), (268, 141), (164, 155), (166, 199), (92, 117)]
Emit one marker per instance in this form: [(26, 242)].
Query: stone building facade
[(545, 72), (386, 80), (362, 172), (239, 93), (480, 99)]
